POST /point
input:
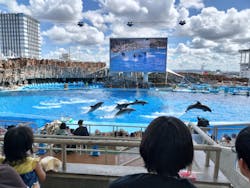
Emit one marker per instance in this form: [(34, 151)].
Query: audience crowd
[(164, 143)]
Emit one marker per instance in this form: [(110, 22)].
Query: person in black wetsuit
[(166, 148)]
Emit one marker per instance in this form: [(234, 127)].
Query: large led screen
[(138, 54)]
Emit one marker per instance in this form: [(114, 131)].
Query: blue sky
[(214, 31)]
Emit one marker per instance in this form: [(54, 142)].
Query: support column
[(240, 57), (249, 58), (145, 77), (245, 59)]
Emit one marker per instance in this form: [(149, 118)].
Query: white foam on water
[(125, 59), (107, 108), (157, 114), (47, 107), (160, 53), (122, 101), (85, 109), (77, 101), (108, 116), (27, 115), (150, 55), (43, 103)]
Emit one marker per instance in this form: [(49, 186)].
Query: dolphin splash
[(124, 111), (96, 106), (198, 105)]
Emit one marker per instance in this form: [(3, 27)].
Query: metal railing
[(105, 142), (109, 128), (193, 127), (108, 142), (117, 128), (217, 126)]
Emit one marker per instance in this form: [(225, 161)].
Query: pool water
[(42, 106)]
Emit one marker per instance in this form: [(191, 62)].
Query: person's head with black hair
[(17, 142), (80, 122), (242, 146), (10, 126), (167, 146), (63, 126)]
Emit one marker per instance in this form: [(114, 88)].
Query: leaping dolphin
[(124, 111), (123, 105), (139, 102), (94, 107), (198, 105)]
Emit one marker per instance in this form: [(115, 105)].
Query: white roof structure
[(172, 72)]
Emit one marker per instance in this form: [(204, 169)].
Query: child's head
[(17, 141)]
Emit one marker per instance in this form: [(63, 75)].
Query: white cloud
[(215, 25), (182, 48), (185, 57), (222, 32), (183, 13), (50, 10), (57, 10), (202, 43), (72, 34), (227, 47), (125, 8), (58, 34), (56, 54), (98, 20), (196, 4), (143, 13), (97, 53), (13, 6), (125, 31)]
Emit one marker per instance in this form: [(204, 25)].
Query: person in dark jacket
[(81, 130), (166, 148)]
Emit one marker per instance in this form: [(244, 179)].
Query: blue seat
[(95, 151)]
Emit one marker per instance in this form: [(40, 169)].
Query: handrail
[(211, 142), (221, 126), (216, 124), (202, 133), (126, 143), (87, 137), (112, 128)]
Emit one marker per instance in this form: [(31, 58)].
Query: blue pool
[(42, 106)]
